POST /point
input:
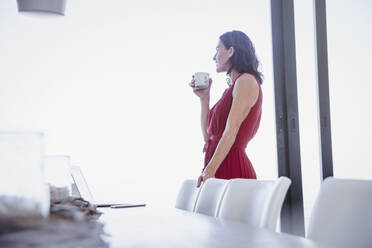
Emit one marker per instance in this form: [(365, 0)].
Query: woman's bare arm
[(245, 95), (204, 117), (203, 95)]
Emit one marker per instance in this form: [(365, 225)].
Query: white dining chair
[(342, 213), (255, 202), (187, 195), (210, 196)]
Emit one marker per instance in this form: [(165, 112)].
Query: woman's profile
[(233, 121)]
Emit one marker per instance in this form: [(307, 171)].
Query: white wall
[(108, 84)]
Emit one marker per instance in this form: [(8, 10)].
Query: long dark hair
[(244, 58)]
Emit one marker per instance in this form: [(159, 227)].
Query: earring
[(228, 81)]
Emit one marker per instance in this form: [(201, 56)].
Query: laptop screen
[(81, 184)]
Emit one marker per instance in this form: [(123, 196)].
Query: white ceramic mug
[(201, 80)]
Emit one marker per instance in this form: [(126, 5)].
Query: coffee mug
[(201, 80)]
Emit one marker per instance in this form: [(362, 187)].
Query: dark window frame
[(286, 106)]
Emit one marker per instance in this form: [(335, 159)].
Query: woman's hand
[(203, 94), (206, 174)]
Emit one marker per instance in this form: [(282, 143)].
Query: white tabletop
[(153, 227)]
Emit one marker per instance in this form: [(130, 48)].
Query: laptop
[(84, 192)]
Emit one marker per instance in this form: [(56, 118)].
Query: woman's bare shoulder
[(247, 77), (246, 82)]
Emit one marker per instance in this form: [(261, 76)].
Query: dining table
[(170, 227)]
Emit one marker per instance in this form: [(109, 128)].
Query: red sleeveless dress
[(236, 163)]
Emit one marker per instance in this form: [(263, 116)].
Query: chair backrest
[(274, 203), (210, 196), (342, 213), (187, 195), (255, 202)]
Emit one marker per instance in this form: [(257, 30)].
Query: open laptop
[(84, 192)]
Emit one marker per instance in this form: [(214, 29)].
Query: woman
[(234, 119)]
